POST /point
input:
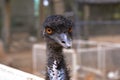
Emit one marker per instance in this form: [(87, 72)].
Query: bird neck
[(56, 66), (54, 49), (54, 53)]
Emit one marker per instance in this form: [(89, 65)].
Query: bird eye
[(49, 31), (70, 30)]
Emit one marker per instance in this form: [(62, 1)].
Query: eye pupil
[(49, 31)]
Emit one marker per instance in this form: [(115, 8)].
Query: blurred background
[(21, 23)]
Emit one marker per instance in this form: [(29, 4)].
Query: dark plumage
[(57, 31)]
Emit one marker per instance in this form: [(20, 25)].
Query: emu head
[(57, 30)]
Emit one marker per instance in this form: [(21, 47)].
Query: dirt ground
[(23, 59), (18, 59)]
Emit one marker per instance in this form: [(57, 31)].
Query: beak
[(64, 40)]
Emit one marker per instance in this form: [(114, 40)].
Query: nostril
[(63, 41)]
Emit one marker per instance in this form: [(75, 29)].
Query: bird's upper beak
[(64, 40)]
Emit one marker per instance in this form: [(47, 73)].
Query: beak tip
[(68, 47)]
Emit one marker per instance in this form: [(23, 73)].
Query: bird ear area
[(49, 30), (70, 30)]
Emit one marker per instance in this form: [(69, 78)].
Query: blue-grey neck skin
[(56, 67)]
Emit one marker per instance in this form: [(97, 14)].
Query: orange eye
[(49, 31), (70, 30)]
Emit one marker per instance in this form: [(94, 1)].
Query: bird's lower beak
[(64, 40)]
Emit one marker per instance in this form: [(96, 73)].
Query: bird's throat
[(54, 53), (56, 67)]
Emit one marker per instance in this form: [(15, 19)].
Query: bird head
[(58, 30)]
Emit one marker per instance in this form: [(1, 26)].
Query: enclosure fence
[(88, 60), (100, 59)]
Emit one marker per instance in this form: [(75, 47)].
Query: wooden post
[(74, 65), (6, 24), (41, 19), (51, 7), (58, 6), (86, 19)]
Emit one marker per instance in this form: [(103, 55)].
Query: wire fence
[(100, 59), (86, 58), (96, 28)]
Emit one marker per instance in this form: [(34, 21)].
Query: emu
[(57, 31)]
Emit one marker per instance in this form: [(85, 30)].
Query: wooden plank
[(6, 24), (86, 18), (99, 1), (15, 74)]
